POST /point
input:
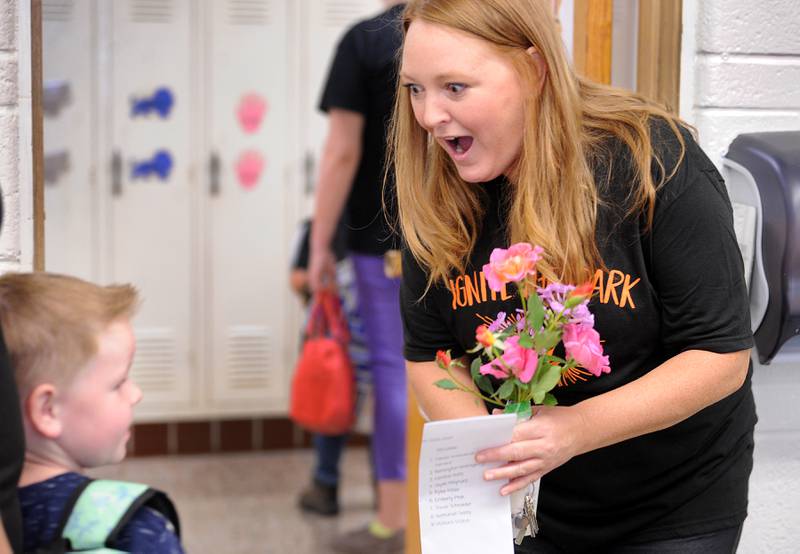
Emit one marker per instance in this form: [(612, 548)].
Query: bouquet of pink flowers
[(520, 349)]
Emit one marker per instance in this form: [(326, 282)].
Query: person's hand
[(321, 269), (550, 438)]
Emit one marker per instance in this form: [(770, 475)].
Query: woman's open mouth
[(458, 146)]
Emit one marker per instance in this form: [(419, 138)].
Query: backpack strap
[(99, 509)]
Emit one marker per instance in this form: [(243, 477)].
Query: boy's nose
[(136, 393)]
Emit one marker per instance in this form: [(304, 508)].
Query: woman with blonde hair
[(496, 140)]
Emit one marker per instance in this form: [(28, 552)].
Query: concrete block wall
[(745, 68), (740, 73), (16, 236)]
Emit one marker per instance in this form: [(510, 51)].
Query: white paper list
[(459, 511)]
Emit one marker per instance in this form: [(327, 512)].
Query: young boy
[(71, 345)]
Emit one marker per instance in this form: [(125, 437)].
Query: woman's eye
[(456, 88), (413, 89)]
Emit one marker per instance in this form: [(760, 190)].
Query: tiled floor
[(246, 503)]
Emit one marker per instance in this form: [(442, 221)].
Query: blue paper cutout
[(160, 165), (160, 102)]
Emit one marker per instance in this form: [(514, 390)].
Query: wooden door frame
[(37, 132), (658, 62)]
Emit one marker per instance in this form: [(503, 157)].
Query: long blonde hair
[(554, 196)]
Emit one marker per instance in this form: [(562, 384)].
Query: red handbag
[(323, 386)]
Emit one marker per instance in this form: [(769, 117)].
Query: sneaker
[(320, 499), (362, 541)]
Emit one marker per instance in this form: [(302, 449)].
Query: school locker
[(249, 202), (327, 20), (187, 133), (151, 235), (69, 153)]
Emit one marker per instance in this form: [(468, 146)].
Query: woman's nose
[(433, 114)]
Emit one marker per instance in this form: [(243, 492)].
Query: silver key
[(526, 521), (531, 511), (521, 524)]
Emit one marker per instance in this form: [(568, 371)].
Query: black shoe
[(320, 499)]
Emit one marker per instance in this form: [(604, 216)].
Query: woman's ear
[(538, 63), (42, 412)]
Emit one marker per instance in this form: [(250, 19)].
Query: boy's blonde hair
[(554, 199), (51, 323)]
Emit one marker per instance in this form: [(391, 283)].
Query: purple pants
[(379, 308)]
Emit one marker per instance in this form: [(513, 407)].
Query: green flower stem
[(462, 387)]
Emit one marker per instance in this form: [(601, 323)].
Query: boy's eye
[(456, 88)]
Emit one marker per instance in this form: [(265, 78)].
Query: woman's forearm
[(669, 394), (439, 403)]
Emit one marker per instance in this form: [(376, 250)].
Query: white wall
[(16, 239), (740, 73)]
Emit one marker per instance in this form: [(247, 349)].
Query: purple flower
[(498, 323)]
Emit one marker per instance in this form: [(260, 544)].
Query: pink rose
[(521, 361), (582, 344), (513, 264)]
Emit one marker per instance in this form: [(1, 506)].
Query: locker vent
[(249, 357), (151, 11), (57, 10), (249, 12), (339, 13), (154, 364)]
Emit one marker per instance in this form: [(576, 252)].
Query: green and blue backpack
[(99, 509)]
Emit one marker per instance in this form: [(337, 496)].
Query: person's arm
[(669, 394), (340, 159), (439, 403), (5, 547)]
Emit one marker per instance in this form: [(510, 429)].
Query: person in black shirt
[(497, 141), (358, 97), (12, 453)]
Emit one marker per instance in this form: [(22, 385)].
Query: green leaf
[(535, 314), (506, 389), (484, 384), (545, 340), (522, 409), (549, 378), (446, 384), (474, 368), (526, 341), (538, 396), (549, 400), (573, 301)]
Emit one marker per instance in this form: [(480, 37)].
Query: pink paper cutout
[(249, 168), (250, 112)]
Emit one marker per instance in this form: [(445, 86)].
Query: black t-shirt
[(12, 451), (676, 288), (12, 444), (362, 78)]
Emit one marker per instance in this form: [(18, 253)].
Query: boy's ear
[(42, 411)]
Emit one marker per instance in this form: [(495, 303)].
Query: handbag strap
[(327, 318)]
